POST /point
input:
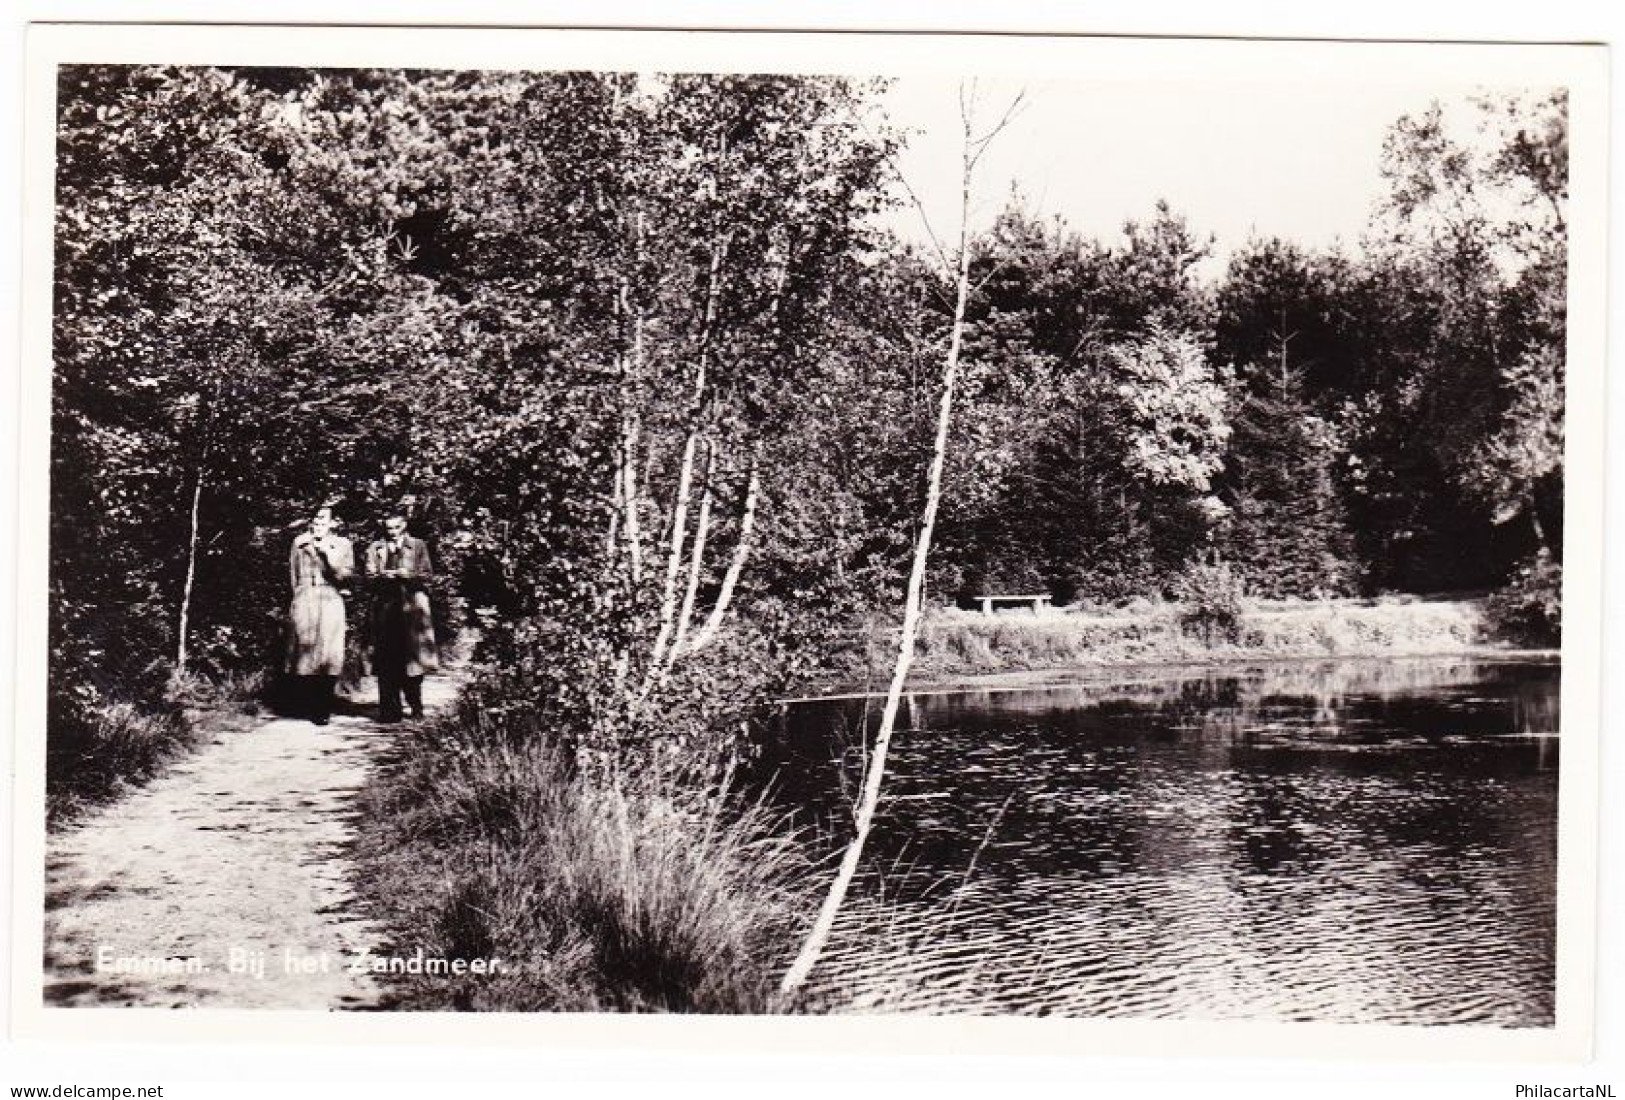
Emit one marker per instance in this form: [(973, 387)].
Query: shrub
[(1063, 588), (1211, 599), (1529, 610), (100, 744)]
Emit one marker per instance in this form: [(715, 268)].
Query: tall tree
[(1283, 322), (1479, 209)]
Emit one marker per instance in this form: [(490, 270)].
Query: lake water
[(1353, 841)]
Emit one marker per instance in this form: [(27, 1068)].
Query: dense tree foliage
[(637, 357), (1333, 424)]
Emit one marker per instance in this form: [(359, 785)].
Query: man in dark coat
[(403, 646)]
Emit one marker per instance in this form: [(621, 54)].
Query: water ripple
[(1228, 850)]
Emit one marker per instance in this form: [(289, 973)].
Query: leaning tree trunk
[(913, 600), (730, 580), (876, 769)]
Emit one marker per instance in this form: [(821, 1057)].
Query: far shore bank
[(944, 683), (961, 650)]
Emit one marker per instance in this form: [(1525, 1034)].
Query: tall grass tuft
[(595, 897), (241, 691), (99, 748)]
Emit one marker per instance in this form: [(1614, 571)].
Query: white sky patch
[(1238, 159)]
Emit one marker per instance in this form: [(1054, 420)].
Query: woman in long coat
[(319, 564)]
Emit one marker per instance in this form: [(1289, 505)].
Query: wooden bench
[(1038, 602)]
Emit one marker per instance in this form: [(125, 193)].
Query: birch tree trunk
[(685, 477), (185, 624), (629, 368), (696, 557), (1537, 527), (629, 500), (730, 580), (875, 767), (674, 563)]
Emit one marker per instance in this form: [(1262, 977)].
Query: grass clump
[(597, 896), (243, 692), (98, 748), (1355, 628)]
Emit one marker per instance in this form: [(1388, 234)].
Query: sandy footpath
[(225, 882)]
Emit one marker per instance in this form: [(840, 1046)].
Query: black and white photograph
[(880, 528)]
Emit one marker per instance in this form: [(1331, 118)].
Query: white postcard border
[(1582, 69)]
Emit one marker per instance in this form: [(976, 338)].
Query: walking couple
[(321, 566)]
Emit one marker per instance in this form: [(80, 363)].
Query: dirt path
[(223, 881)]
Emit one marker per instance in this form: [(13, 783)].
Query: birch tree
[(956, 272), (744, 196), (649, 264)]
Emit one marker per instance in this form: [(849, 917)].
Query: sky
[(1237, 159)]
